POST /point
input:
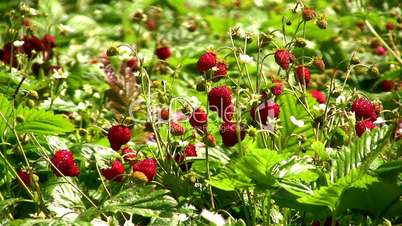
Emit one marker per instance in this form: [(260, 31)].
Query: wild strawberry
[(176, 129), (364, 125), (145, 169), (24, 177), (229, 134), (151, 24), (277, 88), (189, 151), (381, 51), (219, 98), (284, 58), (63, 160), (128, 154), (226, 113), (390, 26), (8, 54), (318, 95), (114, 172), (32, 45), (221, 72), (387, 85), (118, 135), (206, 61), (319, 64), (49, 41), (265, 110), (163, 52), (364, 109), (198, 119), (302, 74), (132, 64), (308, 14), (165, 114)]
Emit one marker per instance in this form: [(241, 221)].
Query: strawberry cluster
[(209, 60), (189, 151), (119, 135), (31, 47), (365, 113), (63, 164)]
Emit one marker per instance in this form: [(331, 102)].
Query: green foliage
[(141, 200), (360, 153)]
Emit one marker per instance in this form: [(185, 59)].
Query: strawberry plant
[(200, 112)]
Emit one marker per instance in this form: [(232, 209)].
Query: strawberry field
[(204, 112)]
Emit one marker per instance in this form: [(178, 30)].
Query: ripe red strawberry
[(31, 43), (226, 113), (229, 134), (219, 98), (221, 72), (277, 88), (176, 129), (145, 169), (206, 61), (381, 51), (165, 114), (189, 151), (114, 172), (364, 125), (8, 56), (387, 85), (163, 52), (129, 154), (284, 58), (198, 119), (364, 109), (266, 109), (133, 64), (63, 160), (318, 95), (151, 24), (390, 26), (118, 135), (24, 177), (49, 41), (302, 75), (319, 64)]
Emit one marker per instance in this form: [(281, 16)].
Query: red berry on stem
[(118, 135), (145, 169), (283, 58), (206, 61), (198, 119), (63, 160), (176, 129), (363, 126), (277, 88), (364, 109), (165, 114), (24, 177), (265, 110), (318, 95), (163, 52), (229, 134), (219, 98), (303, 75), (128, 154), (221, 72), (114, 172)]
